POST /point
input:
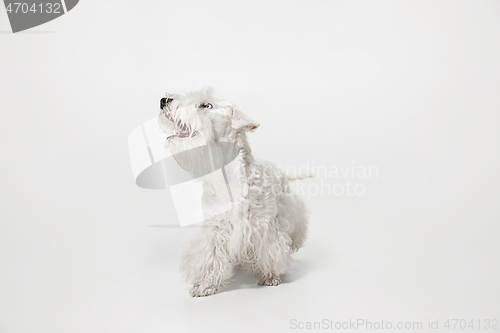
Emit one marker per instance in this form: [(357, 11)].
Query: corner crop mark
[(26, 14)]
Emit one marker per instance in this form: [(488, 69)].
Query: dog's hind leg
[(298, 218), (293, 217)]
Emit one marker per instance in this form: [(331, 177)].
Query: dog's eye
[(206, 106)]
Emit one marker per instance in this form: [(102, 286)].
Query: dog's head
[(199, 118), (203, 133)]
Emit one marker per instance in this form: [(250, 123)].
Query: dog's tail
[(299, 175)]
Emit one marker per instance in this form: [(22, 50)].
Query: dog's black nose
[(164, 102)]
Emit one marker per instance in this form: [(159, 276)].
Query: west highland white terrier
[(265, 221)]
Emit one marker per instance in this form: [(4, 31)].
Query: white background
[(408, 86)]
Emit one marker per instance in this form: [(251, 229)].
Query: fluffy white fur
[(267, 222)]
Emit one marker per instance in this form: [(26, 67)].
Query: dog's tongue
[(180, 134)]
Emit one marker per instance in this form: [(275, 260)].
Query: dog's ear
[(241, 121)]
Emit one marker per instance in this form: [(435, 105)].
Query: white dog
[(265, 221)]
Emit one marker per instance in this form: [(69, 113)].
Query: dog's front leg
[(207, 263)]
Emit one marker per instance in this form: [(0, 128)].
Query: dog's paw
[(200, 291), (272, 281)]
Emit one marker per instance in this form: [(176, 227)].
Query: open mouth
[(182, 130)]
